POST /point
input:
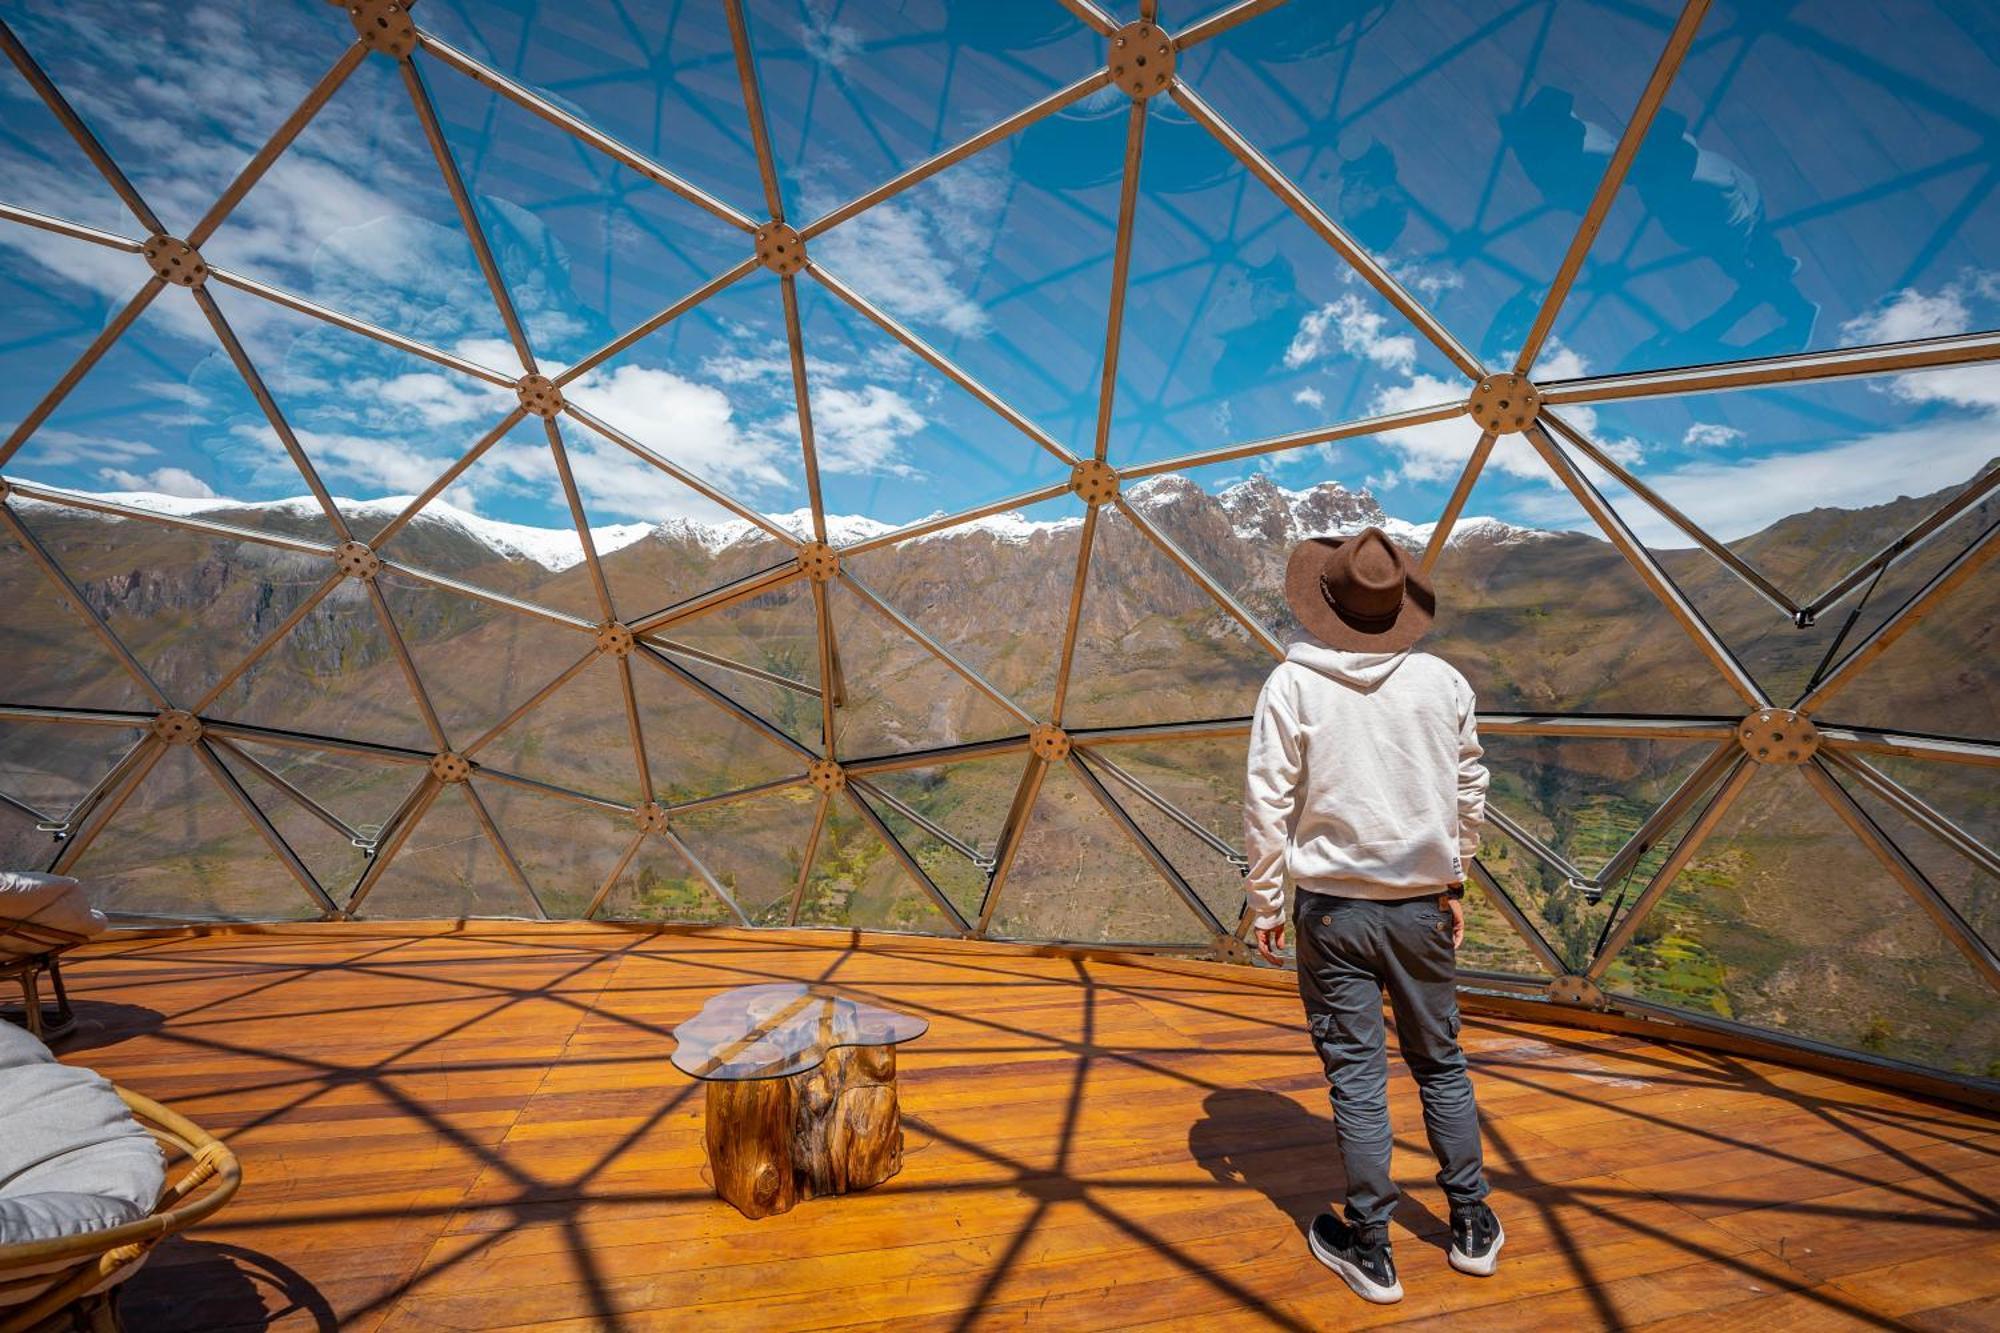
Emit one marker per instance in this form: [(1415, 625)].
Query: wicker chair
[(27, 950), (71, 1282)]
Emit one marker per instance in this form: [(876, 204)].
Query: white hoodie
[(1364, 778)]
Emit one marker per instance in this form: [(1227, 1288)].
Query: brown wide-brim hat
[(1361, 593)]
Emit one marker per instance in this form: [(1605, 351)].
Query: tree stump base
[(773, 1142)]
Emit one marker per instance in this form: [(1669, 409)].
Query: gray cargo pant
[(1350, 950)]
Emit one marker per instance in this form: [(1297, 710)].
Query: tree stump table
[(801, 1092)]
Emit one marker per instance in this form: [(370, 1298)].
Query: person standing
[(1364, 786)]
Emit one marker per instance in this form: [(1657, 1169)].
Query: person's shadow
[(1267, 1141)]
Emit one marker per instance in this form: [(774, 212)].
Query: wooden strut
[(776, 1142)]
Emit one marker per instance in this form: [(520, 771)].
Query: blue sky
[(1819, 177)]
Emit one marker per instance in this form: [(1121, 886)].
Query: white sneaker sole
[(1367, 1288), (1486, 1263)]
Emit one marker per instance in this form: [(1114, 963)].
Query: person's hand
[(1457, 909), (1270, 939)]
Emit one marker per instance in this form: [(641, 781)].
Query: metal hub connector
[(384, 27), (175, 261), (539, 395), (449, 767), (1579, 991), (780, 249), (818, 561), (1049, 742), (1504, 404), (1778, 736), (615, 639), (357, 560), (826, 776), (1094, 481), (651, 817), (176, 726), (1142, 59)]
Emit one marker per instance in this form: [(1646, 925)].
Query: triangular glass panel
[(333, 858), (664, 83), (754, 848), (1559, 907), (1735, 231), (49, 767), (776, 633), (391, 250), (164, 421), (1790, 480), (1459, 148), (1550, 617), (895, 695), (577, 738), (59, 294), (1077, 878), (22, 842), (1750, 931), (334, 674), (858, 882), (994, 591), (895, 439), (45, 169), (856, 94), (1152, 645), (965, 802), (660, 885), (564, 848), (698, 748), (359, 792), (588, 247), (1962, 795), (1936, 677), (1203, 782), (478, 661), (180, 847), (54, 658), (190, 607), (447, 868)]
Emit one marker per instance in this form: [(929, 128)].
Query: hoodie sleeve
[(1472, 775), (1270, 794)]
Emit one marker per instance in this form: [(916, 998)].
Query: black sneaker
[(1476, 1239), (1364, 1263)]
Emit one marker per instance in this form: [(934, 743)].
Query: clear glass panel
[(45, 169), (23, 844), (565, 849), (775, 632), (898, 696), (577, 738), (754, 848), (49, 768), (1785, 920), (447, 868), (180, 847), (857, 881), (698, 748), (1584, 799), (54, 658), (1204, 781), (659, 885), (331, 856), (1965, 797), (1077, 877), (360, 791)]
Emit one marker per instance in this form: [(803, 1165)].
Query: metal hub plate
[(384, 26), (539, 395), (1579, 991), (1778, 736), (449, 767), (177, 726), (357, 560), (651, 817), (826, 776), (1142, 59), (780, 249), (1504, 404), (175, 261), (1094, 481), (818, 561), (1049, 742), (615, 639)]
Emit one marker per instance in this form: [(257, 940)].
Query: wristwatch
[(1455, 890)]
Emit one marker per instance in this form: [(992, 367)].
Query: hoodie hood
[(1363, 671)]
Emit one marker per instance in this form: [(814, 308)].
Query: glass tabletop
[(785, 1028)]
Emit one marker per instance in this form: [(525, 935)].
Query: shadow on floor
[(206, 1285)]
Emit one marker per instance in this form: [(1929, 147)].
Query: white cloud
[(863, 430), (895, 254), (1310, 397), (165, 481), (1910, 314), (1357, 328), (1710, 435)]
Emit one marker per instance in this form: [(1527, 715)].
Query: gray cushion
[(72, 1158), (56, 901)]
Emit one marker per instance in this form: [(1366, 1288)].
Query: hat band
[(1326, 591)]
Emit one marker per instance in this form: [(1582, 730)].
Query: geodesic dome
[(773, 464)]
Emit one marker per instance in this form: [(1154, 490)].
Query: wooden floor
[(480, 1129)]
